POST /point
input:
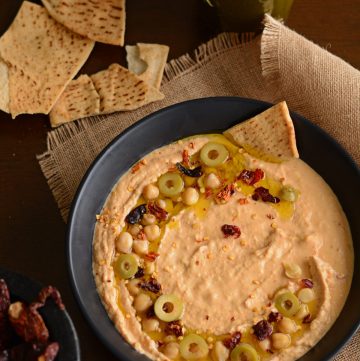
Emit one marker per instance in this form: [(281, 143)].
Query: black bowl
[(208, 115), (58, 322)]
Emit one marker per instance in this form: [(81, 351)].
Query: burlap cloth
[(280, 65)]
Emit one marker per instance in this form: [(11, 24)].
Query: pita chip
[(4, 87), (120, 90), (99, 20), (269, 135), (42, 57), (147, 61), (79, 100)]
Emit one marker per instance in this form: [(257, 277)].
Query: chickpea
[(190, 196), (133, 287), (303, 312), (135, 229), (150, 324), (149, 267), (212, 181), (280, 340), (171, 350), (306, 295), (142, 302), (265, 344), (221, 353), (150, 192), (287, 325), (161, 203), (148, 219), (140, 246), (123, 242), (152, 232), (169, 338)]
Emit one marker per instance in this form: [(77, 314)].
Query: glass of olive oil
[(246, 15)]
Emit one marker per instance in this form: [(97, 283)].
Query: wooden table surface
[(32, 234)]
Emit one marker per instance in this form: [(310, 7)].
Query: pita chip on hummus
[(269, 135), (147, 61), (79, 100), (99, 20), (4, 87), (204, 251), (42, 57)]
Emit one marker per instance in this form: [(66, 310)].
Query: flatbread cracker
[(147, 61), (4, 87), (99, 20), (121, 89), (269, 135), (42, 57), (79, 100)]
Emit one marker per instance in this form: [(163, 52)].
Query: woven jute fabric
[(280, 65)]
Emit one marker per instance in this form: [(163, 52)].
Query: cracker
[(120, 89), (4, 87), (99, 20), (79, 100), (42, 56), (147, 61), (269, 135)]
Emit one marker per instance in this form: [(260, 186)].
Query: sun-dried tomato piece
[(4, 297), (231, 231), (186, 158), (264, 194), (208, 192), (174, 328), (157, 211), (307, 319), (262, 330), (225, 194), (50, 291), (27, 322), (151, 285), (232, 341), (251, 177), (275, 317), (151, 256), (34, 352), (6, 332), (195, 172), (306, 283)]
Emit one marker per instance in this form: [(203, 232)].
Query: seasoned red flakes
[(231, 231), (225, 194), (137, 166), (151, 285), (306, 283), (263, 194), (141, 235), (251, 177), (186, 158), (174, 328), (262, 330), (232, 341), (151, 256), (243, 201), (307, 319), (157, 211), (275, 317)]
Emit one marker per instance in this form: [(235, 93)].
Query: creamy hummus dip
[(203, 251)]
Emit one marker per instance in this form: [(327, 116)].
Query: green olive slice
[(287, 304), (244, 351), (170, 184), (288, 194), (169, 308), (193, 347), (126, 266), (213, 154)]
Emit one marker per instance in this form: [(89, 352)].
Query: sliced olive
[(288, 194), (244, 351), (193, 347), (171, 184), (169, 308), (213, 154), (287, 304), (126, 266)]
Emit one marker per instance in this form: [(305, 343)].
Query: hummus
[(227, 252)]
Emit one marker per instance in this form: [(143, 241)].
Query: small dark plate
[(59, 324), (208, 115)]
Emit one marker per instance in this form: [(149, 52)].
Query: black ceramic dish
[(61, 328), (209, 115)]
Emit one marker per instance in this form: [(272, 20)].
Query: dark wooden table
[(32, 234)]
